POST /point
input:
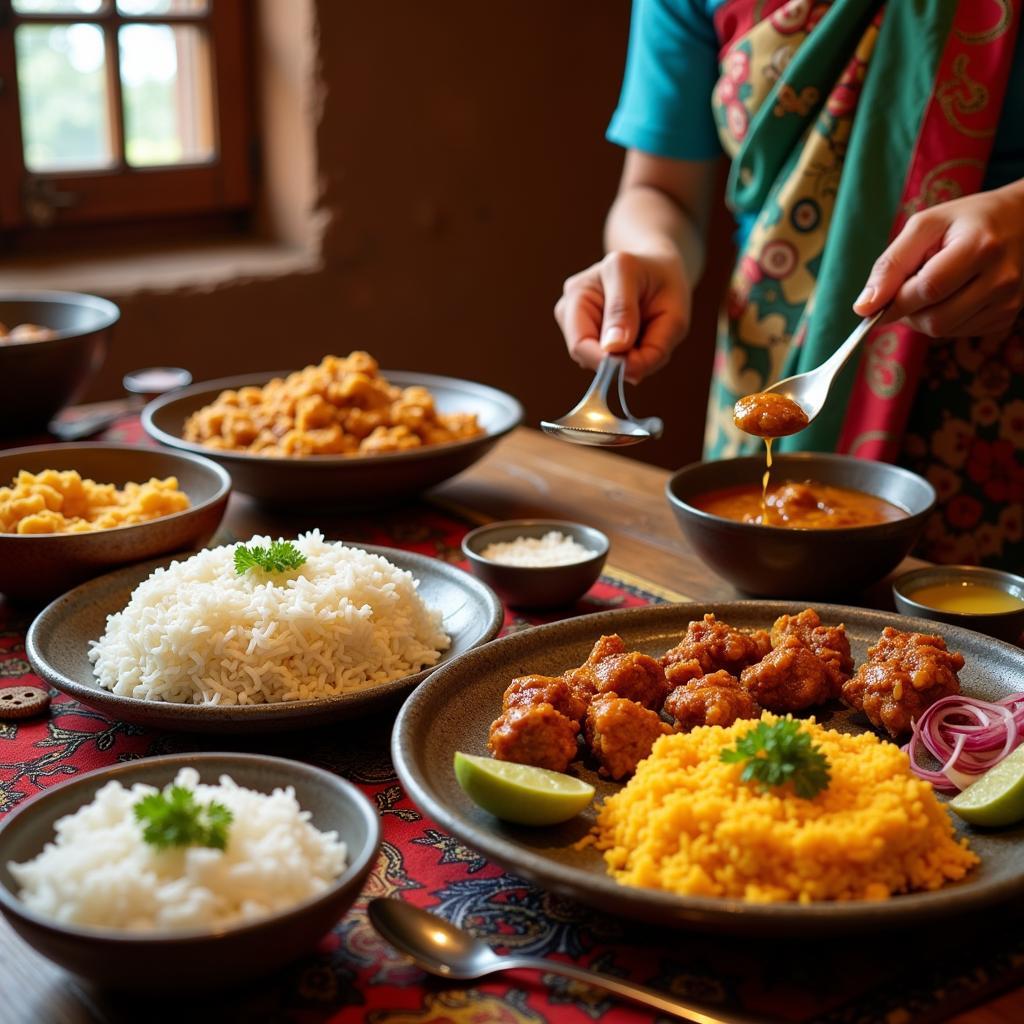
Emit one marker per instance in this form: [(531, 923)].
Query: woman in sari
[(876, 157)]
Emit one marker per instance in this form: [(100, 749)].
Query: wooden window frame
[(120, 193)]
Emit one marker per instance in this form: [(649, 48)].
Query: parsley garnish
[(779, 753), (281, 556), (173, 818)]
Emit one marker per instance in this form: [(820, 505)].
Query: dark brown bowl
[(38, 567), (775, 561), (542, 586), (344, 479), (195, 959), (41, 377)]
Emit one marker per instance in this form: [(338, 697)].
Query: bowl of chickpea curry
[(340, 431)]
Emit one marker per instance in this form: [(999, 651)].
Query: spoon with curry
[(789, 405)]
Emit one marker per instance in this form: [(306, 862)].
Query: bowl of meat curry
[(822, 525)]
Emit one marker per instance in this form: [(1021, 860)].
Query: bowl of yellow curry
[(69, 512)]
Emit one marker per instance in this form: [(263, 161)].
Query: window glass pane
[(58, 6), (63, 86), (149, 8), (168, 95)]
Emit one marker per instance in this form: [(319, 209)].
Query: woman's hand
[(956, 269), (629, 303)]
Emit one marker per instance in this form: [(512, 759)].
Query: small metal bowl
[(1008, 625), (546, 586)]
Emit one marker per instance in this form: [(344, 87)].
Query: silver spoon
[(810, 390), (438, 947), (592, 421), (142, 385)]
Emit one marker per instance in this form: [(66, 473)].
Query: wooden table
[(527, 475)]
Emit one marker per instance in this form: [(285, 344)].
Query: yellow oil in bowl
[(967, 598)]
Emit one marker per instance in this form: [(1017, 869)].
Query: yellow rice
[(687, 824)]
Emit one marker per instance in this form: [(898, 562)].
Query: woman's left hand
[(956, 269)]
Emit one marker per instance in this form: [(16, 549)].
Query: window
[(121, 109)]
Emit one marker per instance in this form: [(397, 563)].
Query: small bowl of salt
[(536, 563)]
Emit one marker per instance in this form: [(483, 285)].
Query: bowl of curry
[(825, 524)]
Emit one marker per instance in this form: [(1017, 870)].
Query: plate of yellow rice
[(684, 841)]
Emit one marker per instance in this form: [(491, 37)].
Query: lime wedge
[(519, 792), (997, 798)]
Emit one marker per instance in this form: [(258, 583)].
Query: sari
[(842, 118)]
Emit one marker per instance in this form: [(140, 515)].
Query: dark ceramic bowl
[(775, 561), (41, 377), (58, 642), (38, 567), (548, 586), (1007, 625), (195, 959), (343, 479)]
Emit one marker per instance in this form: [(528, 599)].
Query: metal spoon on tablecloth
[(439, 947)]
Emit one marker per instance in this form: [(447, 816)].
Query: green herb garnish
[(779, 753), (281, 556), (173, 818)]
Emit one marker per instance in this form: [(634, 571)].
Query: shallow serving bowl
[(1008, 625), (192, 959), (775, 561), (352, 480), (41, 377), (547, 586), (58, 643), (37, 567)]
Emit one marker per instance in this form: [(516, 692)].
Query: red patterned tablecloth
[(356, 977)]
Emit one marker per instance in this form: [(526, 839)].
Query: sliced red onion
[(967, 736)]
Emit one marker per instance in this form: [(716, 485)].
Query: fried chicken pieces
[(620, 700), (905, 673), (615, 696)]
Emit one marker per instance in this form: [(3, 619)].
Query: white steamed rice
[(100, 872), (199, 633)]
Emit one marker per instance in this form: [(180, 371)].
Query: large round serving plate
[(453, 709), (352, 479), (58, 650)]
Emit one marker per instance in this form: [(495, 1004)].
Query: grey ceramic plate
[(356, 480), (454, 708), (196, 958), (58, 645)]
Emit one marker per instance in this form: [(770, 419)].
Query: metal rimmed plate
[(453, 709), (58, 646), (354, 479)]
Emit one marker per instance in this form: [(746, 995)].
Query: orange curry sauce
[(805, 506), (768, 415)]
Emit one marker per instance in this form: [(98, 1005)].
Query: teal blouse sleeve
[(671, 70)]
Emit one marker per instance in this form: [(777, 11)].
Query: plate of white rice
[(80, 882), (190, 643)]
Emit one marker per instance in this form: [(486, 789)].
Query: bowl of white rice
[(192, 644), (80, 883), (536, 563)]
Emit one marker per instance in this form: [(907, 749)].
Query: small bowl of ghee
[(987, 600)]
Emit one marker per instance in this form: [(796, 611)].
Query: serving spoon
[(439, 947), (810, 390), (592, 422), (141, 385)]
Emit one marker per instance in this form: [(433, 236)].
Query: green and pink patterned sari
[(842, 119)]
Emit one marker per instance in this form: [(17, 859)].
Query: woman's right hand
[(628, 303)]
